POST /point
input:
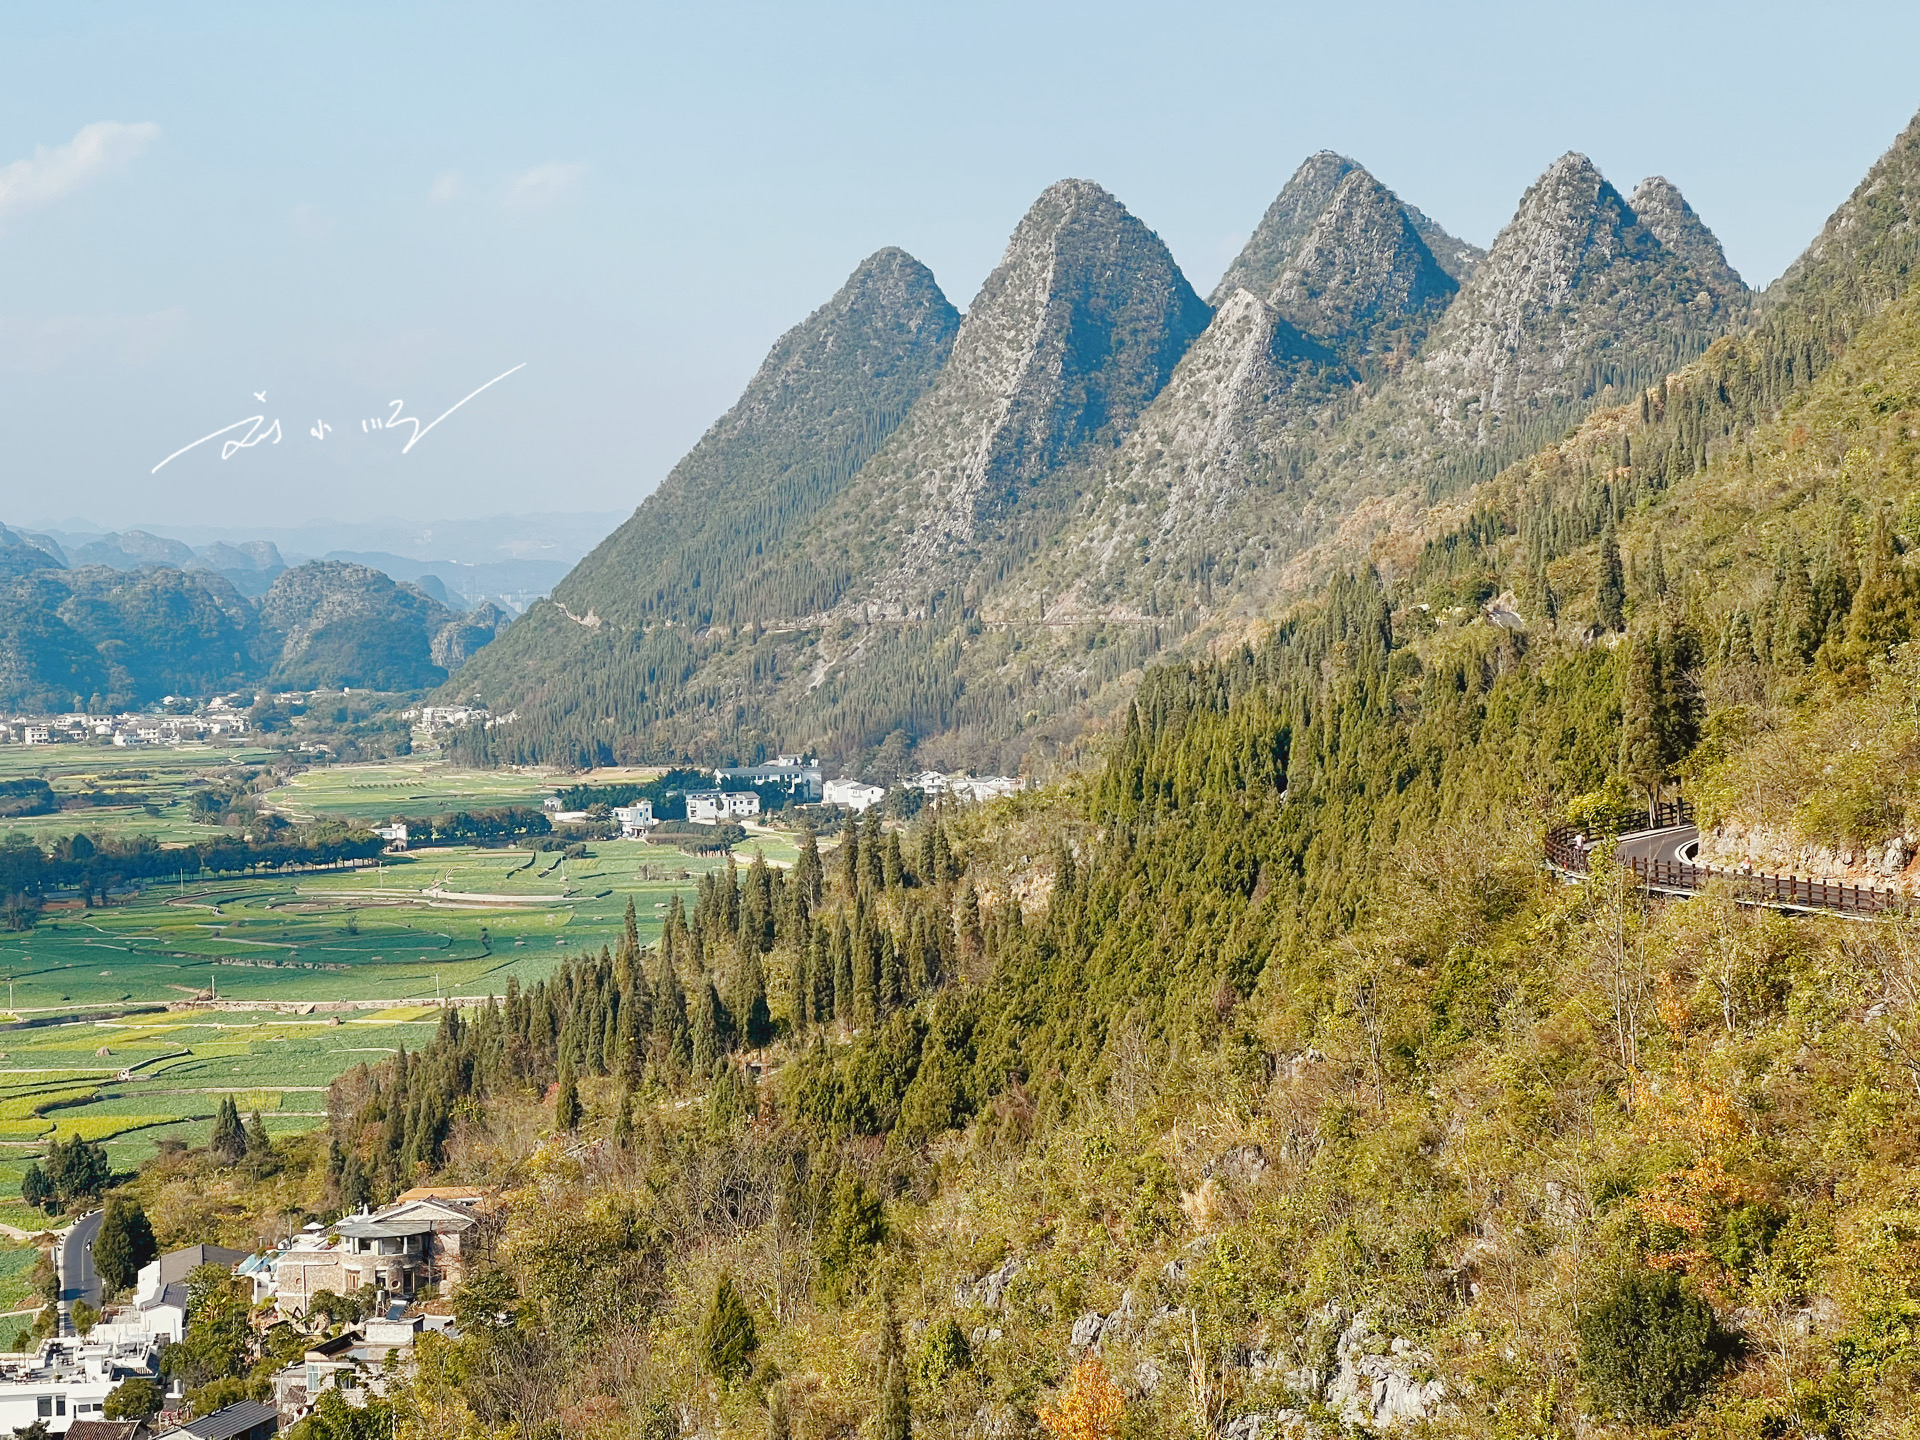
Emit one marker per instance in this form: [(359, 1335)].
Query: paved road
[(80, 1281), (1664, 844)]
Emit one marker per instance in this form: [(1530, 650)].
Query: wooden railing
[(1572, 852)]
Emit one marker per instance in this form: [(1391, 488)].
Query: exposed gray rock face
[(1362, 279), (1070, 338), (1575, 290), (1237, 417), (1368, 1378), (1665, 211), (1300, 206), (460, 639), (990, 1290)]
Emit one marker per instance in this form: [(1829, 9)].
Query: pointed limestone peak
[(885, 310), (1072, 335), (1576, 294), (1362, 279), (1287, 222), (1869, 249), (1674, 223), (827, 395)]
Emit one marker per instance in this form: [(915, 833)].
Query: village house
[(408, 1250), (710, 807), (797, 772), (635, 819), (69, 1379), (856, 795)]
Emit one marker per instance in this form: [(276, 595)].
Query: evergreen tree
[(1881, 614), (229, 1143), (750, 1002), (728, 1337), (259, 1143), (708, 1041), (896, 1414), (1610, 593), (123, 1244), (566, 1104)]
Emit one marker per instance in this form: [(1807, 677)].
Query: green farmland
[(248, 959), (373, 793)]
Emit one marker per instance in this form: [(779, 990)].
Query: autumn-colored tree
[(1090, 1406)]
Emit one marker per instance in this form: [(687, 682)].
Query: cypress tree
[(566, 1104), (896, 1414), (750, 1005), (1610, 593), (229, 1143)]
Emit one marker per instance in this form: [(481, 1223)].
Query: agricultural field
[(129, 1081), (377, 947), (418, 786), (145, 791)]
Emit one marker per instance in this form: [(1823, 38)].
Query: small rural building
[(856, 795)]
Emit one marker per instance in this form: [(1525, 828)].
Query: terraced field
[(151, 787)]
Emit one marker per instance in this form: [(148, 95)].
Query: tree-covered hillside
[(1259, 1080)]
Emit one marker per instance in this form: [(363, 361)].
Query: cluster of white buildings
[(713, 807), (959, 786), (216, 720), (859, 796), (798, 773), (452, 717)]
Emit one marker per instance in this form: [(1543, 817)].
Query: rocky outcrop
[(460, 639), (1886, 863), (1367, 1377)]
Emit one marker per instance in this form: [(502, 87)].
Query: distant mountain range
[(100, 636), (967, 535)]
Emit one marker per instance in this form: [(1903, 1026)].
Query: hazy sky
[(341, 206)]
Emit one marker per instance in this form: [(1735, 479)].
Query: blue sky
[(342, 205)]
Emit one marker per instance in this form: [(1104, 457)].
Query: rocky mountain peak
[(1362, 277), (1575, 293), (1300, 206), (1665, 211), (1072, 335), (1287, 223)]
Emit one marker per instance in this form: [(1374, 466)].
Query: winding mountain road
[(1672, 843)]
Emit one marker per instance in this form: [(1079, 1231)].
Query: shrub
[(1650, 1348)]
